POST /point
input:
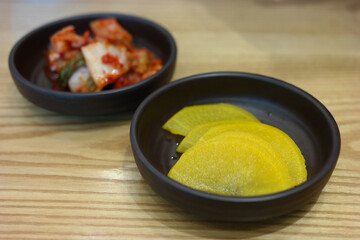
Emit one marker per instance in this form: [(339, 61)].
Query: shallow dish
[(27, 60), (273, 102)]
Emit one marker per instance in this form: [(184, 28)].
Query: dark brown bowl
[(273, 102), (27, 60)]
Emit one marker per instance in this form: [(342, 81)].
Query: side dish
[(227, 151), (103, 57)]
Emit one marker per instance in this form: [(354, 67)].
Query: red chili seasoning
[(110, 59)]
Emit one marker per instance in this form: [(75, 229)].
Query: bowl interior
[(273, 102), (29, 57)]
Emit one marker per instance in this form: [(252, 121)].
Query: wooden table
[(67, 177)]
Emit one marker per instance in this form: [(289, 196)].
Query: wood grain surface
[(75, 178)]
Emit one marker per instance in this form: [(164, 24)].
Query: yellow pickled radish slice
[(282, 143), (196, 133), (241, 165), (189, 117), (266, 146)]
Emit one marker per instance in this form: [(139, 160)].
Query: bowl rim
[(327, 169), (18, 77)]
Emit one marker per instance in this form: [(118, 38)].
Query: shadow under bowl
[(273, 102), (27, 64)]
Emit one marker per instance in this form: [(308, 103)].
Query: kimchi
[(102, 58)]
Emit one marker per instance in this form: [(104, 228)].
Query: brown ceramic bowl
[(27, 60), (273, 102)]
